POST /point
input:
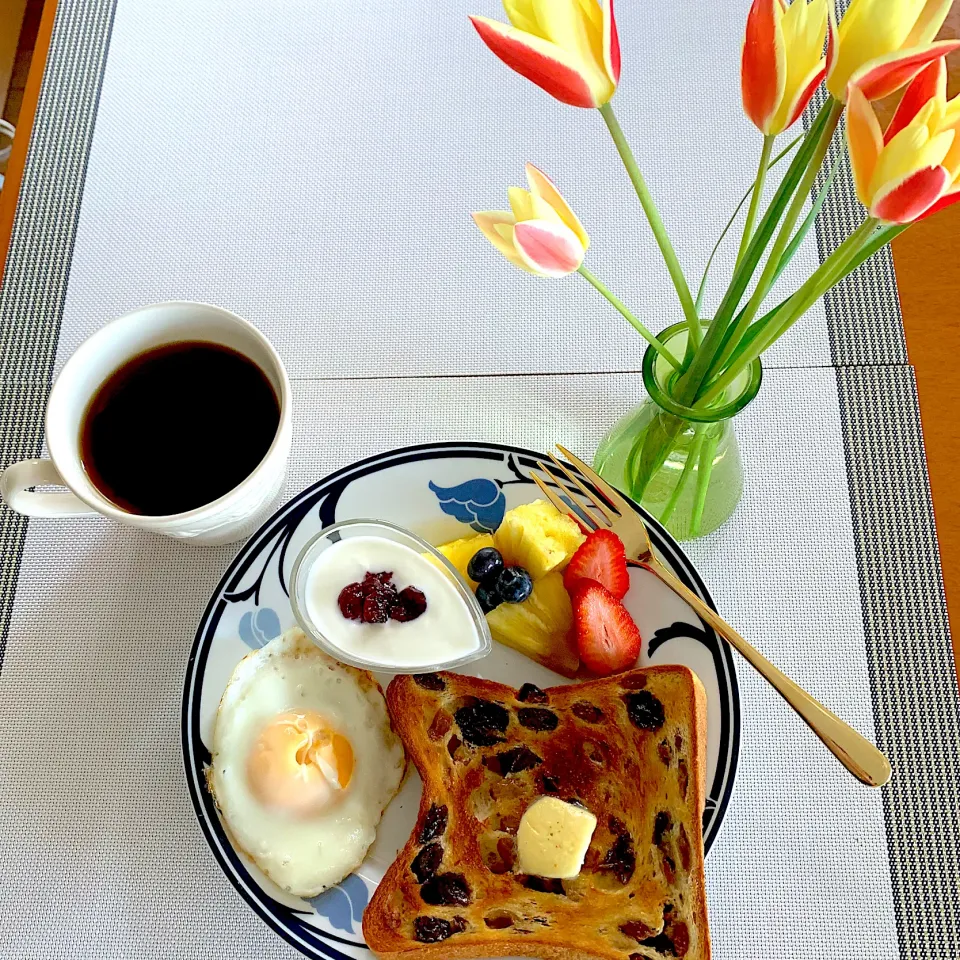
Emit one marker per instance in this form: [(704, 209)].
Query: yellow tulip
[(539, 233), (781, 64), (881, 45), (567, 47), (912, 168)]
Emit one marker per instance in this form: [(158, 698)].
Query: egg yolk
[(299, 763)]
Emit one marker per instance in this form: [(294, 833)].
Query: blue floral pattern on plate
[(343, 904), (258, 627), (479, 502)]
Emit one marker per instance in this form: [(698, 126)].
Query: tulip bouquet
[(677, 453)]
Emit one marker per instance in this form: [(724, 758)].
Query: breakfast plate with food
[(427, 713)]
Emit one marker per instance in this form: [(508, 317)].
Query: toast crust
[(641, 771)]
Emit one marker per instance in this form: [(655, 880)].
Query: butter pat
[(553, 838)]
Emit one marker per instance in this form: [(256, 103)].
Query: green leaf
[(702, 289), (756, 330), (719, 327), (771, 219), (815, 142), (759, 330), (880, 239), (805, 227), (704, 472), (651, 449)]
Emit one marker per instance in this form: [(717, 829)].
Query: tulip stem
[(830, 272), (656, 224), (702, 364), (733, 216), (630, 318), (755, 198), (800, 198), (827, 275)]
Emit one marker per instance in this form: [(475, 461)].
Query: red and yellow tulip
[(881, 45), (567, 47), (782, 61), (911, 169), (539, 233)]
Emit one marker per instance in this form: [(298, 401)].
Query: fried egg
[(304, 761)]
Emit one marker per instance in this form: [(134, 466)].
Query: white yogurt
[(444, 632)]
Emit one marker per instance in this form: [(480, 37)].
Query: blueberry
[(485, 565), (487, 597), (514, 585)]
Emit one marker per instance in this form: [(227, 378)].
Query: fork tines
[(595, 512)]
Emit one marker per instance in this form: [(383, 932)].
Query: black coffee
[(177, 427)]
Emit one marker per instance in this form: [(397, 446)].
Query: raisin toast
[(630, 748)]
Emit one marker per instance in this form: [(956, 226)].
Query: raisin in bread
[(630, 748)]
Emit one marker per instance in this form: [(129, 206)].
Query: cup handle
[(15, 483)]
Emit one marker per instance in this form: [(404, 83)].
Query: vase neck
[(660, 379)]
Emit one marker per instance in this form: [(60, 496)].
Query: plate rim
[(223, 852)]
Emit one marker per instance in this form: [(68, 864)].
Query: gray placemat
[(903, 611), (104, 619), (234, 162), (909, 651), (38, 260)]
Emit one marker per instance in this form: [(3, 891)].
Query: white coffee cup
[(231, 517)]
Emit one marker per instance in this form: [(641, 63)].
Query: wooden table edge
[(925, 301), (13, 179)]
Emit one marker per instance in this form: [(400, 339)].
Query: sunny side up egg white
[(304, 761)]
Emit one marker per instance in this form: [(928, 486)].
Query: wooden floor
[(928, 274)]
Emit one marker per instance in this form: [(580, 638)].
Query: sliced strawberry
[(607, 638), (600, 557)]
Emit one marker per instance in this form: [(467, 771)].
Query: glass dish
[(388, 531)]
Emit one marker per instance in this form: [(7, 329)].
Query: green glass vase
[(681, 463)]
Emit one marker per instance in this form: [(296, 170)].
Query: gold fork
[(615, 513)]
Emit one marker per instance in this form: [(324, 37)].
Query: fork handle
[(854, 751)]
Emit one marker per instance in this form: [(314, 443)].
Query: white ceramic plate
[(439, 491)]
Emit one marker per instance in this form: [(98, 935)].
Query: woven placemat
[(909, 651), (41, 244), (104, 619), (913, 685)]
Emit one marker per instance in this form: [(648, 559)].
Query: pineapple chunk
[(537, 537), (540, 627), (460, 552)]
